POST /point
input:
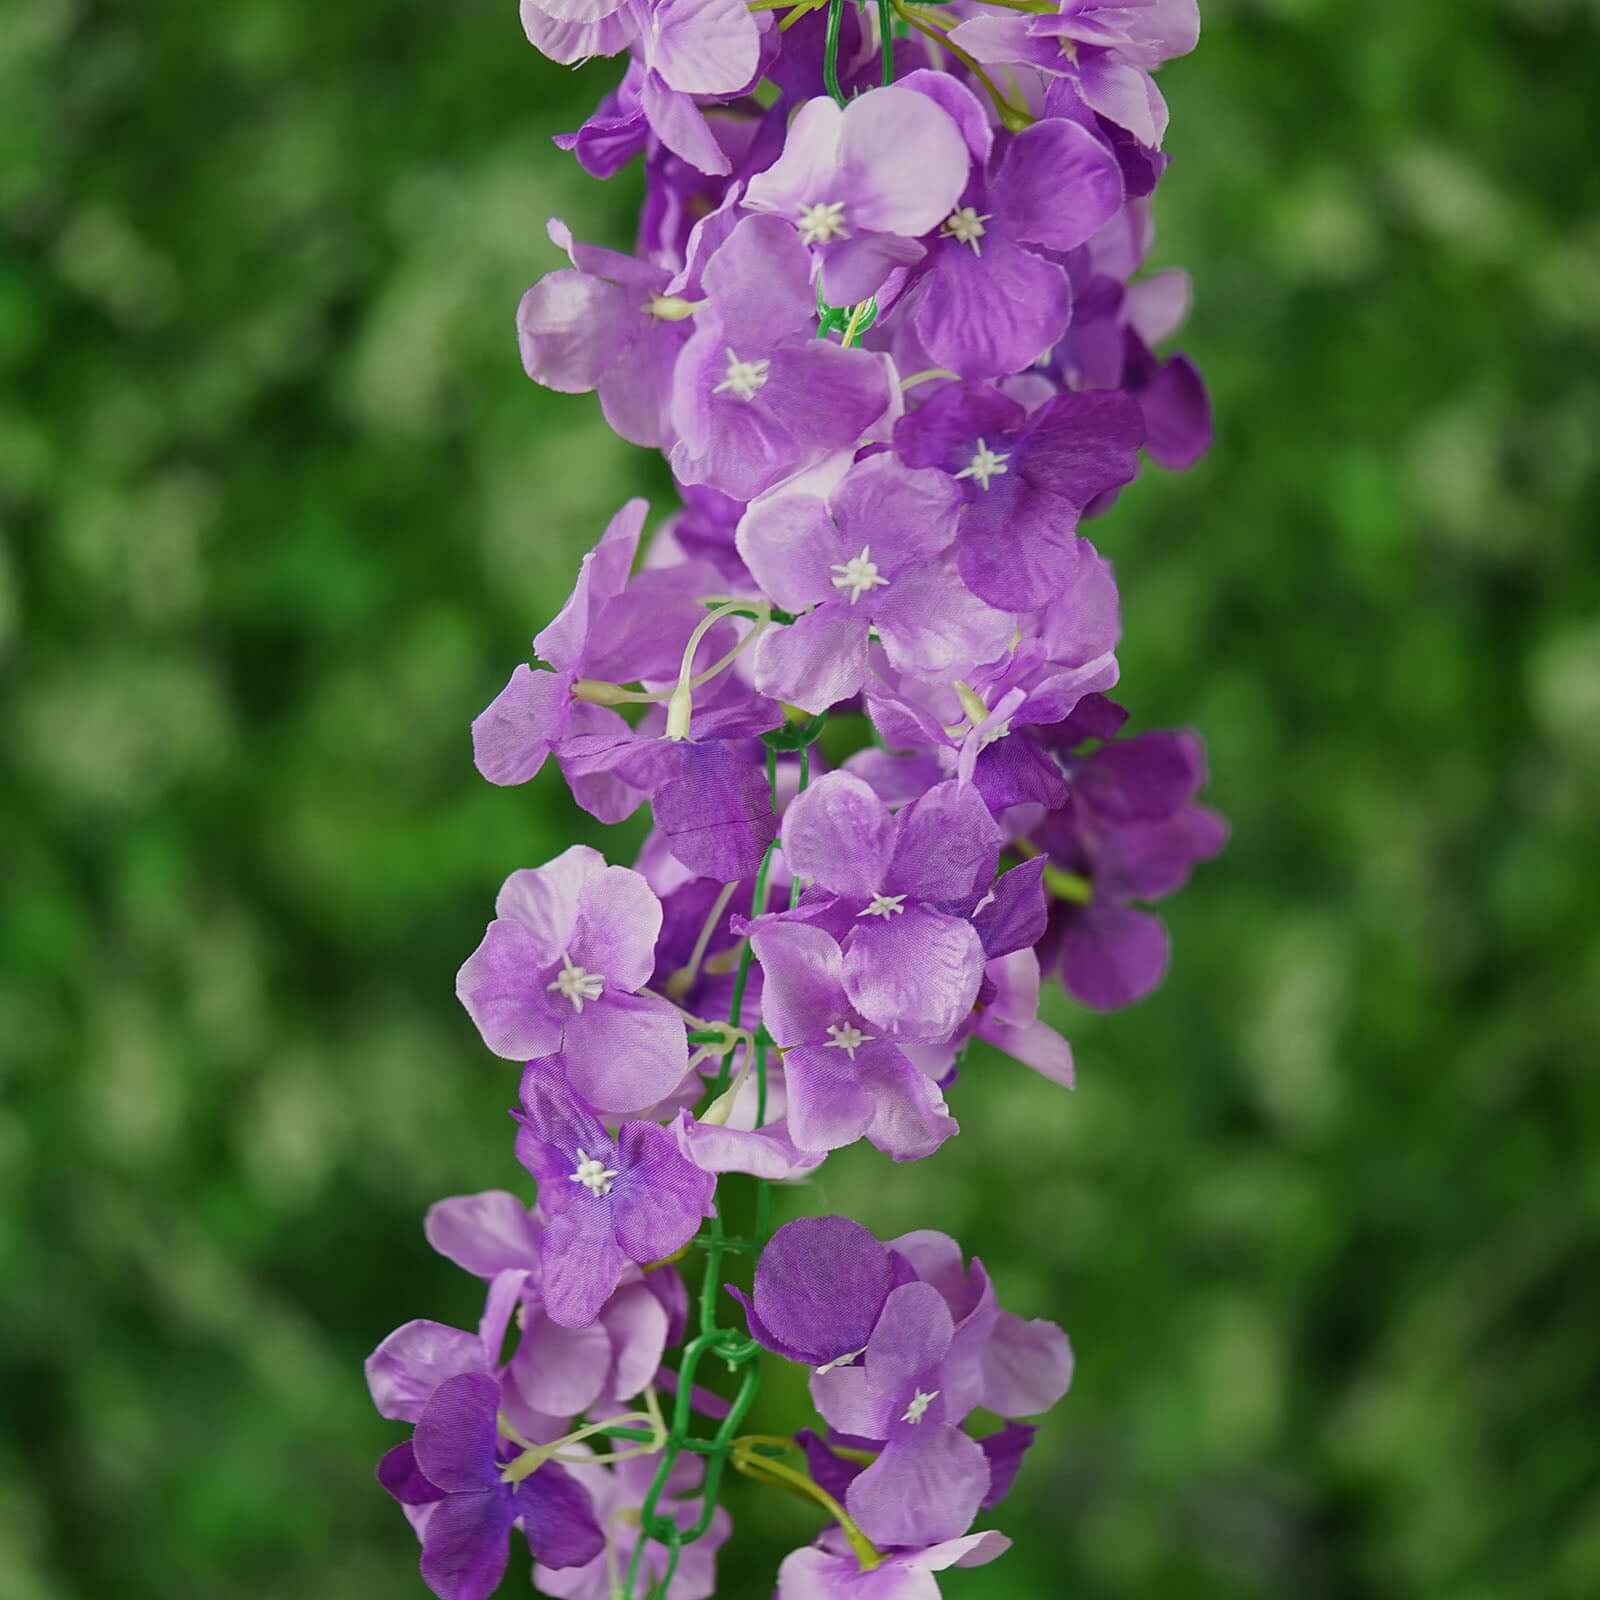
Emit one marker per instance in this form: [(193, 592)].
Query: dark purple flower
[(758, 398), (870, 557), (1028, 479), (608, 1200), (1131, 829), (452, 1468), (861, 183), (844, 1081), (561, 968), (820, 1287)]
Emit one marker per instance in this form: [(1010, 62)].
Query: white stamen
[(848, 1037), (999, 731), (594, 1175), (984, 904), (885, 906), (918, 1408), (985, 464), (576, 985), (858, 575), (965, 226), (841, 1361), (743, 379), (821, 222)]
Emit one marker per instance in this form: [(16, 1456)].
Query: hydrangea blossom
[(889, 322)]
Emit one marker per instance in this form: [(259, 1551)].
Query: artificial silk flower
[(607, 1199), (992, 298), (829, 1569), (861, 183), (1028, 479), (450, 1472), (757, 397), (871, 558), (846, 1078), (1132, 830), (562, 967)]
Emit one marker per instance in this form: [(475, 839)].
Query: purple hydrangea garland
[(886, 321)]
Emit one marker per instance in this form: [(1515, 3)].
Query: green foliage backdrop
[(277, 512)]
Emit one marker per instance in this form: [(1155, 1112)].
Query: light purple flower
[(882, 886), (757, 398), (561, 967), (991, 300), (861, 183), (845, 1080), (451, 1469), (1105, 49), (910, 1392), (608, 1200), (868, 558), (557, 1371), (828, 1569), (613, 629), (1028, 479)]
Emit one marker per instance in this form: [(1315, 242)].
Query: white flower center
[(885, 906), (594, 1175), (965, 226), (841, 1361), (848, 1037), (918, 1408), (576, 985), (742, 379), (985, 464), (858, 575), (821, 222)]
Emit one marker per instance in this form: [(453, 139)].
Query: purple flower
[(709, 47), (868, 558), (910, 1392), (756, 397), (821, 1285), (1007, 1365), (1105, 50), (844, 1080), (886, 881), (608, 1200), (612, 629), (860, 184), (1130, 827), (620, 1490), (610, 323), (828, 1569), (561, 967), (994, 731), (451, 1468), (991, 300), (1028, 479), (557, 1371)]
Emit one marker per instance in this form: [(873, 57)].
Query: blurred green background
[(278, 511)]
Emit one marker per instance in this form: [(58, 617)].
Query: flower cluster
[(886, 320)]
